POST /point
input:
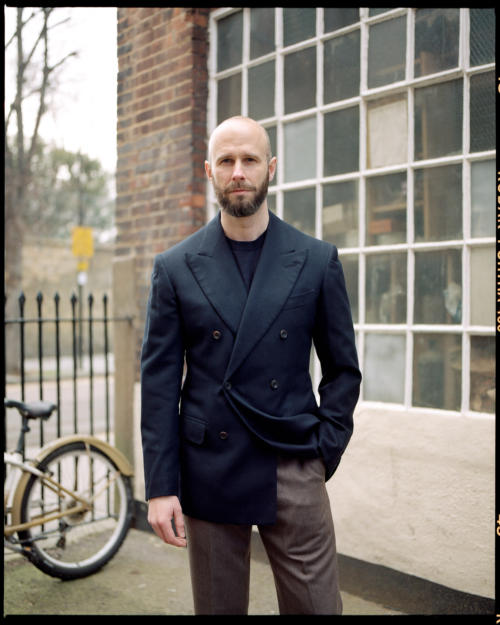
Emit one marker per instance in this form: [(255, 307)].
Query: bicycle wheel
[(85, 535)]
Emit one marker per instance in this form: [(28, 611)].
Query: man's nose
[(238, 172)]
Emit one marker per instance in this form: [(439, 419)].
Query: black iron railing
[(73, 344)]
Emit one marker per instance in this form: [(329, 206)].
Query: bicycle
[(71, 506)]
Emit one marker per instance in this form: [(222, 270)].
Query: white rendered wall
[(415, 492)]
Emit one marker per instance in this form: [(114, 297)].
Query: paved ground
[(146, 577)]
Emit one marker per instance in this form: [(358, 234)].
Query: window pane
[(228, 97), (341, 141), (387, 132), (386, 209), (298, 24), (300, 80), (438, 120), (387, 52), (483, 198), (271, 202), (373, 12), (438, 286), (261, 31), (482, 295), (350, 265), (271, 131), (384, 368), (482, 373), (300, 150), (438, 203), (340, 213), (386, 288), (299, 209), (482, 112), (229, 41), (436, 40), (437, 371), (338, 18), (482, 36), (341, 67), (261, 90)]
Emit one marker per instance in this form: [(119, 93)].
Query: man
[(241, 441)]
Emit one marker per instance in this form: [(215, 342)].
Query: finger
[(178, 522)]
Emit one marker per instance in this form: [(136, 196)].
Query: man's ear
[(272, 167), (208, 170)]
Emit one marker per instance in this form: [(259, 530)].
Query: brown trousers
[(300, 547)]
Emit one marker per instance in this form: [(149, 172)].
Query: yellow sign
[(82, 265), (83, 242)]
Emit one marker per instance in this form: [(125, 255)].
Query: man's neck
[(245, 228)]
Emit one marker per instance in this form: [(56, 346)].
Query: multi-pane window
[(384, 127)]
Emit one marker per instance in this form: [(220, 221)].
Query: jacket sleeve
[(162, 362), (335, 345)]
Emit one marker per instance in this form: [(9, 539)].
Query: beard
[(239, 206)]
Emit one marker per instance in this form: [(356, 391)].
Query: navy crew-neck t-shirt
[(247, 255)]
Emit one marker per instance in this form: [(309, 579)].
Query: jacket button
[(274, 384), (283, 334), (227, 386), (216, 334), (223, 435)]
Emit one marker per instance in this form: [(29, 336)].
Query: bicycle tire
[(79, 543)]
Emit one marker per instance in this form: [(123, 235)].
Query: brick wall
[(161, 132)]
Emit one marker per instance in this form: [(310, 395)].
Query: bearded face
[(240, 199)]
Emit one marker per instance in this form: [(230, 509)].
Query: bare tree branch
[(16, 31)]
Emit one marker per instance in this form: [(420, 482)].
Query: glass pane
[(373, 12), (438, 203), (386, 209), (387, 132), (438, 120), (341, 142), (340, 213), (271, 131), (229, 41), (384, 368), (338, 18), (482, 295), (437, 365), (436, 40), (261, 90), (298, 24), (300, 80), (438, 286), (483, 198), (300, 150), (228, 97), (387, 52), (482, 36), (261, 31), (341, 67), (386, 288), (271, 202), (482, 112), (350, 265), (299, 209), (482, 373)]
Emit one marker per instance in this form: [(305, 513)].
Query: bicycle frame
[(17, 480)]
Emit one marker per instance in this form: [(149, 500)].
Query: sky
[(82, 114)]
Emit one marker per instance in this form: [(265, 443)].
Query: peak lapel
[(277, 271), (217, 274)]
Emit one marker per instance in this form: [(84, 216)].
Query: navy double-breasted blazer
[(225, 373)]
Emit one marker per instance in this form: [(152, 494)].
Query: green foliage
[(67, 189)]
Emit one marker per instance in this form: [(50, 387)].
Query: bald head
[(244, 126)]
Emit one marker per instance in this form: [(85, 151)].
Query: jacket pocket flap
[(194, 430)]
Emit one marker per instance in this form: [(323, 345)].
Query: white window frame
[(404, 87)]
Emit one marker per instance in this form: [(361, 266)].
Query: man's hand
[(161, 511)]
